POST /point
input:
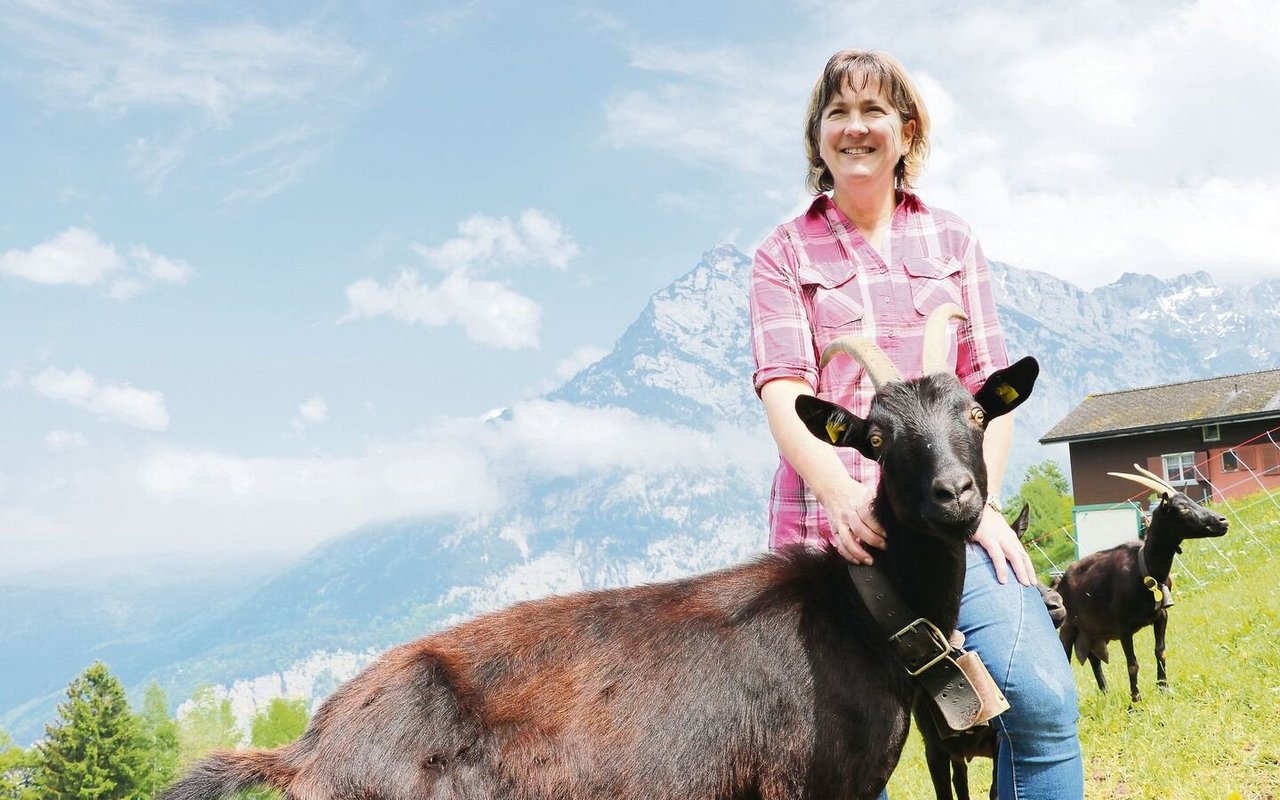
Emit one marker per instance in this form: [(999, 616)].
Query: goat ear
[(833, 424), (1023, 521), (1007, 388)]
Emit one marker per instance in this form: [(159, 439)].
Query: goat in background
[(767, 681), (1111, 594)]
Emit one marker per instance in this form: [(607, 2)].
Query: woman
[(873, 260)]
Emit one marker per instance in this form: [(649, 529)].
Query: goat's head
[(1177, 516), (926, 433)]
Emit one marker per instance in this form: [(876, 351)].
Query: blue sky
[(262, 264)]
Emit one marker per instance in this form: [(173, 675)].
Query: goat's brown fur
[(766, 681)]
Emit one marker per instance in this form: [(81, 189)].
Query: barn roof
[(1208, 401)]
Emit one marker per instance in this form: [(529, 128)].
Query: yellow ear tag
[(1153, 586), (835, 429), (1006, 393)]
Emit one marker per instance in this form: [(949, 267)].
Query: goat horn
[(936, 345), (1168, 486), (878, 366), (1159, 487)]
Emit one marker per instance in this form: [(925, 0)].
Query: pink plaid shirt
[(816, 279)]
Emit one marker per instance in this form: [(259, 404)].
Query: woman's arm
[(847, 502), (995, 449), (994, 534)]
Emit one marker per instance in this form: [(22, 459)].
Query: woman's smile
[(862, 138)]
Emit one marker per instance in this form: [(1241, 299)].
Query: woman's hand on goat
[(1001, 543), (853, 521)]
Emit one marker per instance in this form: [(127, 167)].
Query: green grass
[(1216, 733)]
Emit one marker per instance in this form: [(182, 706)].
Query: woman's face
[(862, 138)]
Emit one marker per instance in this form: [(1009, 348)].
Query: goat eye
[(978, 415), (876, 440)]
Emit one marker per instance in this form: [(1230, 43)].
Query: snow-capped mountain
[(688, 357), (679, 379)]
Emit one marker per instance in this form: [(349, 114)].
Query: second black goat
[(1111, 594)]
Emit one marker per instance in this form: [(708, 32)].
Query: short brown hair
[(858, 68)]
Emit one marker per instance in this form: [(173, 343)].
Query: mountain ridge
[(683, 365)]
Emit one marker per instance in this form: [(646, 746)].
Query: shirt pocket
[(934, 281), (833, 300)]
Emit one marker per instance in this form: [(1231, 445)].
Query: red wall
[(1091, 461)]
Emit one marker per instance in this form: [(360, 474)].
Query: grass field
[(1216, 733)]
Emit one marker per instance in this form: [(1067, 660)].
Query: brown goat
[(1108, 596), (948, 757), (766, 681)]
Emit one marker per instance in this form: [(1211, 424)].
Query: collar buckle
[(921, 646)]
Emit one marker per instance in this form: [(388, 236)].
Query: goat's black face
[(1189, 519), (927, 436)]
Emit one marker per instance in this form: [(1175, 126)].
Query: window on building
[(1270, 459), (1229, 461), (1211, 433), (1179, 468)]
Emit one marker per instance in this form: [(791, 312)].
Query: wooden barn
[(1212, 438)]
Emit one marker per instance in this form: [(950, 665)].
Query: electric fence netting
[(1231, 497)]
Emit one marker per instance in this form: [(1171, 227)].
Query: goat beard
[(959, 525)]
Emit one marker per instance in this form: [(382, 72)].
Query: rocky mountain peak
[(687, 356)]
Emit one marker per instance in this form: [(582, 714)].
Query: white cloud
[(1082, 77), (158, 268), (1176, 229), (198, 500), (113, 402), (1075, 147), (77, 257), (64, 441), (489, 311), (491, 314), (211, 78), (312, 411), (483, 242), (581, 358), (153, 159), (723, 107), (543, 437), (273, 164), (115, 56)]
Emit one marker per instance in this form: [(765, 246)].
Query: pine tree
[(158, 740), (91, 752)]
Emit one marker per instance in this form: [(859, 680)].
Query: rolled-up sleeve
[(780, 335), (980, 349)]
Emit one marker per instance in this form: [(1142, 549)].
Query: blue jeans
[(1007, 625)]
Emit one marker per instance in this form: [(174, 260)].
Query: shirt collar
[(822, 206)]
